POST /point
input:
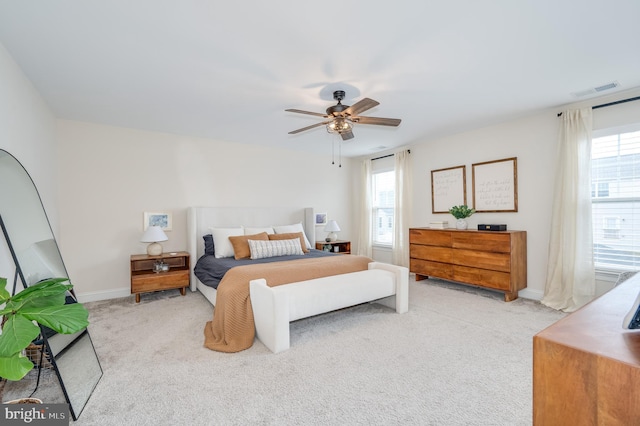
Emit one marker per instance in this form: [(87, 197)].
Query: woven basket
[(34, 352)]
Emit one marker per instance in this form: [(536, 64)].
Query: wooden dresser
[(492, 259), (586, 367)]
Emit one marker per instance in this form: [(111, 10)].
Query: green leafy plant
[(461, 212), (42, 303)]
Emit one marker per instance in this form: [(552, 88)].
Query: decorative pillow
[(297, 227), (261, 249), (248, 230), (208, 244), (221, 240), (241, 246), (289, 236)]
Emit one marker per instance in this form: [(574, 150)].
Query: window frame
[(599, 223), (382, 167)]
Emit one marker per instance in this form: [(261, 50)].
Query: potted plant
[(42, 304), (461, 213)]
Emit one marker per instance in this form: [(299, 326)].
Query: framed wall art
[(448, 188), (163, 220), (321, 218), (495, 185)]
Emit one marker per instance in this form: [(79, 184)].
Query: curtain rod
[(387, 156), (622, 101)]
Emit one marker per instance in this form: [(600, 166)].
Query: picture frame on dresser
[(448, 188), (495, 185)]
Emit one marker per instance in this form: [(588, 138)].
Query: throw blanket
[(233, 328)]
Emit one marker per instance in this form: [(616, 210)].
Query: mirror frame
[(59, 347)]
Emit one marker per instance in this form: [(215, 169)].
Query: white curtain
[(570, 272), (365, 211), (402, 211)]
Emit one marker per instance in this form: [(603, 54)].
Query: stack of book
[(439, 225)]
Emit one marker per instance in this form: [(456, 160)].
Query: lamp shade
[(154, 234), (332, 227)]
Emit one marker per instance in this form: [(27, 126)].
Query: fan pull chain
[(333, 150), (340, 153)]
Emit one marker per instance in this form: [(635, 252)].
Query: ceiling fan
[(342, 117)]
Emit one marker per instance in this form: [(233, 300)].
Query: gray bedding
[(210, 270)]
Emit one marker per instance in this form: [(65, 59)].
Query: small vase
[(461, 224)]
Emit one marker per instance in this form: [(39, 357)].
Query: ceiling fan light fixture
[(339, 125)]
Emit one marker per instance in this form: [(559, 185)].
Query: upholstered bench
[(275, 307)]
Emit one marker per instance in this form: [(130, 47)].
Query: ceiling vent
[(596, 90)]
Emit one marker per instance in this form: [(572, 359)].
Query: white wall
[(27, 131), (533, 140), (110, 176)]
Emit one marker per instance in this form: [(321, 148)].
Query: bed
[(314, 278), (200, 220)]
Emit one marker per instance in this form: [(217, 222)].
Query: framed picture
[(448, 188), (321, 218), (495, 185), (163, 220)]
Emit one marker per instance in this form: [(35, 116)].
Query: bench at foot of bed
[(275, 307)]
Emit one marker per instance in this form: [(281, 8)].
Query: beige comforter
[(233, 328)]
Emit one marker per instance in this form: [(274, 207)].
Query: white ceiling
[(228, 70)]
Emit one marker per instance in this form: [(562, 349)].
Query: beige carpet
[(460, 356)]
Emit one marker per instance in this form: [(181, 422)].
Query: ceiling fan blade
[(347, 135), (293, 132), (377, 120), (361, 106), (299, 111)]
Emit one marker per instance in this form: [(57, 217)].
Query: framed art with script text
[(495, 185), (448, 188)]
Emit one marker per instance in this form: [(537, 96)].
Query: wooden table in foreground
[(586, 367)]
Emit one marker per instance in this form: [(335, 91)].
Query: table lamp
[(332, 227), (154, 234)]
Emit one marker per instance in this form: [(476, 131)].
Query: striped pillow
[(261, 249)]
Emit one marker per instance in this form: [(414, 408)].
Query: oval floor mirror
[(36, 255)]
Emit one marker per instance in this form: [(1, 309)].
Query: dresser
[(496, 260), (586, 367)]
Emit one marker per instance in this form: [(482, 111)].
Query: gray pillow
[(208, 244)]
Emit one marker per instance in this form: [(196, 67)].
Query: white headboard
[(201, 219)]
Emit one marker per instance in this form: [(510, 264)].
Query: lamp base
[(154, 249), (332, 236)]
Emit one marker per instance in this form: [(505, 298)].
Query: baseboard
[(531, 294), (104, 295)]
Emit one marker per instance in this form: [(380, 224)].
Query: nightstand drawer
[(159, 281)]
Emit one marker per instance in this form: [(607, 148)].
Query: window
[(615, 200), (383, 188)]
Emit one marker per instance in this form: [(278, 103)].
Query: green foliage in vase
[(461, 212), (42, 303)]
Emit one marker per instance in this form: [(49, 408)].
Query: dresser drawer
[(482, 259), (482, 277), (431, 237), (432, 269), (436, 254), (484, 241)]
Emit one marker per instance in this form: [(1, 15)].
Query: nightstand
[(344, 247), (144, 279)]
